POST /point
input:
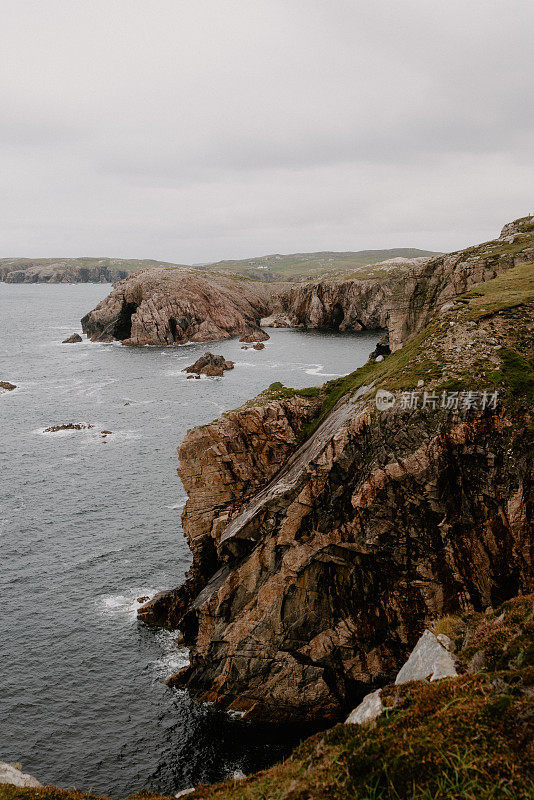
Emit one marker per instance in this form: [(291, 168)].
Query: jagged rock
[(75, 337), (142, 599), (258, 346), (69, 426), (370, 708), (167, 306), (211, 365), (256, 335), (12, 775), (382, 348), (429, 659), (7, 386), (317, 564), (173, 305)]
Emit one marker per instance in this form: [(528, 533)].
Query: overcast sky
[(195, 130)]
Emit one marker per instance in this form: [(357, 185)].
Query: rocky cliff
[(402, 300), (163, 306), (70, 270), (322, 551), (173, 305)]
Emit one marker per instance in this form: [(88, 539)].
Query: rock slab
[(429, 659), (12, 775)]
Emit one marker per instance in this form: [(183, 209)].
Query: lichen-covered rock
[(429, 659), (12, 775)]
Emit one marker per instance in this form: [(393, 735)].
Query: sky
[(197, 130)]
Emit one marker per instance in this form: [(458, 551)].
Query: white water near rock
[(91, 523)]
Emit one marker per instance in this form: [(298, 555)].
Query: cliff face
[(69, 270), (221, 465), (404, 300), (165, 306), (313, 577)]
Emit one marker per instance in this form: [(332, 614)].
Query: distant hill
[(264, 268), (276, 266), (72, 270)]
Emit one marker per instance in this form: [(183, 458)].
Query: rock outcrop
[(403, 301), (211, 365), (72, 339), (70, 270), (321, 552), (6, 386), (168, 306), (429, 660), (11, 774)]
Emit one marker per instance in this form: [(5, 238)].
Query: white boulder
[(370, 708), (429, 659), (10, 774)]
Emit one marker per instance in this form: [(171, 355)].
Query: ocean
[(90, 522)]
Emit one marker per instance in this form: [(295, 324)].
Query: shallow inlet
[(92, 522)]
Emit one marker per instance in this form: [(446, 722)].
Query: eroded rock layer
[(166, 306), (172, 305), (325, 537)]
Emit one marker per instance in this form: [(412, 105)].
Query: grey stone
[(370, 708), (429, 659), (10, 774)]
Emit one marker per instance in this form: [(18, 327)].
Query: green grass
[(511, 289), (300, 264)]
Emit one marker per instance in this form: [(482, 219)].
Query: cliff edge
[(379, 502)]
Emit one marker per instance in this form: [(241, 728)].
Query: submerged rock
[(7, 386), (69, 426), (258, 346), (211, 365), (72, 339)]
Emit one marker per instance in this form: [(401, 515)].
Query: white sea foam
[(173, 656), (177, 506), (125, 603), (317, 369)]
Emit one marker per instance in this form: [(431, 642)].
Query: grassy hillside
[(297, 264)]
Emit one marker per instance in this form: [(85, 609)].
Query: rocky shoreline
[(326, 534)]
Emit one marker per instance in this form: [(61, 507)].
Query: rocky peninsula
[(167, 306), (326, 533)]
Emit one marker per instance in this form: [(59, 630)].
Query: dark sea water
[(88, 524)]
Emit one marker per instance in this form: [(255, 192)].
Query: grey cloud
[(206, 129)]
